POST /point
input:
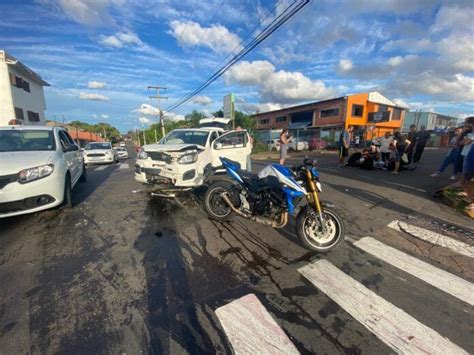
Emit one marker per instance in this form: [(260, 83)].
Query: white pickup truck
[(184, 157)]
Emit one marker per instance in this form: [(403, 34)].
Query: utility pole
[(158, 97)]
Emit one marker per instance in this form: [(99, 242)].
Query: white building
[(21, 92)]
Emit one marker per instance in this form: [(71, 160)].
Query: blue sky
[(100, 55)]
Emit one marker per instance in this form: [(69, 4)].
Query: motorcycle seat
[(257, 184)]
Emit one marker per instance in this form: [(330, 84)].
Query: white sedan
[(121, 152), (99, 153), (39, 167)]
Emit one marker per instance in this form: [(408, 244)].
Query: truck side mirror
[(218, 146)]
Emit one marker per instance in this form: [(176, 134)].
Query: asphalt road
[(124, 273)]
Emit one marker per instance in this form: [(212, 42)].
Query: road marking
[(251, 329), (102, 167), (445, 281), (124, 166), (433, 238), (396, 328)]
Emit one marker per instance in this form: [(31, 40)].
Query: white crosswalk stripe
[(251, 329), (124, 166), (433, 238), (102, 167), (397, 329), (445, 281)]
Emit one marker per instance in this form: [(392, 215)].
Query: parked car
[(184, 157), (99, 153), (122, 144), (39, 167), (317, 143), (121, 153), (273, 145)]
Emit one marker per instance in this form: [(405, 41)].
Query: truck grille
[(96, 155), (6, 179), (158, 156)]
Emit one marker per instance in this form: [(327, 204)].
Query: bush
[(259, 147)]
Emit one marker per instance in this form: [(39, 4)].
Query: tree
[(218, 113), (243, 120), (194, 117)]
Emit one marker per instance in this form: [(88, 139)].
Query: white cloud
[(401, 102), (88, 12), (202, 100), (259, 107), (105, 116), (144, 120), (94, 115), (345, 65), (173, 117), (216, 37), (121, 39), (96, 84), (277, 86), (146, 109), (93, 97)]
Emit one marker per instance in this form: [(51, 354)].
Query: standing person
[(451, 158), (385, 142), (284, 140), (412, 138), (356, 141), (344, 145), (421, 139), (466, 143)]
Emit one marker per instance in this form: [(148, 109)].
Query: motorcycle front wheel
[(214, 204), (312, 234)]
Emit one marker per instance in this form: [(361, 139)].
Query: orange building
[(371, 114)]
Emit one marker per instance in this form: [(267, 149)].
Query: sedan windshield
[(92, 146), (26, 140), (186, 137)]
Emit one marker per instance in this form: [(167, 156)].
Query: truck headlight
[(142, 154), (188, 158), (31, 174)]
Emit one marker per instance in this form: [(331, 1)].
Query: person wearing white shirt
[(385, 142)]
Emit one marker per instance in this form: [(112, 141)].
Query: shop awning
[(299, 125)]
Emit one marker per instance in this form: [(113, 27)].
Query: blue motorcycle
[(274, 194)]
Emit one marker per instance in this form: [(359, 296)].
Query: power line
[(287, 14)]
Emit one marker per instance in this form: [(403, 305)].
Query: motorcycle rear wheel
[(215, 206), (309, 230)]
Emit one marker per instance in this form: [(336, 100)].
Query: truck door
[(234, 145)]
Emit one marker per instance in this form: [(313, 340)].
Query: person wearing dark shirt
[(422, 138), (412, 138)]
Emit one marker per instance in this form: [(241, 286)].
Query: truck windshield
[(91, 146), (26, 140), (186, 137)]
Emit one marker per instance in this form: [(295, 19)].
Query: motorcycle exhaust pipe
[(282, 223)]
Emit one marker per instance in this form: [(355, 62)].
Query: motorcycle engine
[(269, 204)]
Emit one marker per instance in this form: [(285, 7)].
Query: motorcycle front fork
[(314, 199)]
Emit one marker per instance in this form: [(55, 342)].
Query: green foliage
[(110, 132), (219, 113), (194, 117)]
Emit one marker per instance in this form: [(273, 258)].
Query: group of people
[(460, 154), (389, 152)]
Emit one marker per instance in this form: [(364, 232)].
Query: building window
[(397, 114), (19, 113), (383, 108), (265, 121), (281, 119), (357, 110), (33, 116), (19, 82), (329, 113)]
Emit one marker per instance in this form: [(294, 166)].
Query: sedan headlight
[(39, 172), (142, 154), (189, 157)]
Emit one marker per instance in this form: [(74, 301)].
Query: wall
[(330, 121), (7, 111), (28, 101), (358, 99)]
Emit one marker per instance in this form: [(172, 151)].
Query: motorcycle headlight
[(32, 174), (188, 158), (142, 155)]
